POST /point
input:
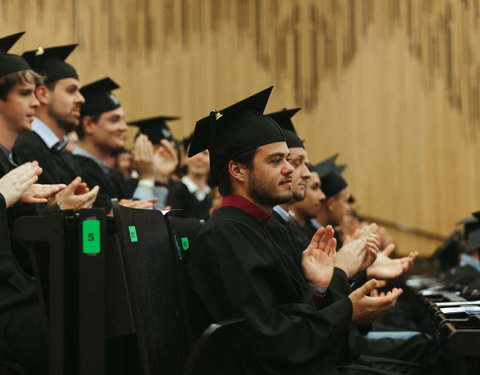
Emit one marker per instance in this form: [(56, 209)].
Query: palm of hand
[(318, 258), (318, 268), (165, 163), (385, 268)]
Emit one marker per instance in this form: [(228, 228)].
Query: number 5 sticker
[(91, 236)]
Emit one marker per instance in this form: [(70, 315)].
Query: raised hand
[(385, 267), (318, 258), (142, 156), (16, 182), (369, 308), (165, 161)]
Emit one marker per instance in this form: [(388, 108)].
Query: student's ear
[(87, 125), (43, 94), (331, 203), (237, 170)]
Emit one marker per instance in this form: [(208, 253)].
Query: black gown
[(358, 353), (179, 197), (235, 269), (23, 337), (58, 166), (111, 184)]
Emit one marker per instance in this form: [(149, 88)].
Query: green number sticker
[(185, 243), (133, 233), (91, 236)]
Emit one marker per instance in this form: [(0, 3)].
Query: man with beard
[(101, 132), (58, 113), (236, 269), (283, 225)]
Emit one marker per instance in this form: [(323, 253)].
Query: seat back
[(183, 232), (156, 288), (208, 353)]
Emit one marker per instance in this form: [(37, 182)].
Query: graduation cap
[(284, 119), (10, 63), (332, 181), (99, 98), (155, 128), (51, 62), (338, 169), (325, 167), (471, 232), (235, 130)]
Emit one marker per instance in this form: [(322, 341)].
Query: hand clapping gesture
[(317, 259), (385, 267)]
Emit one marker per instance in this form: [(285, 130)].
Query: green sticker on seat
[(91, 236), (133, 233), (185, 243)]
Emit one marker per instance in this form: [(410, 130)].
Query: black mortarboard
[(284, 119), (469, 223), (10, 63), (338, 169), (471, 232), (155, 128), (235, 130), (332, 182), (51, 62), (98, 97), (326, 166)]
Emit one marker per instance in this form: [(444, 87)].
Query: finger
[(389, 249), (333, 248), (327, 236), (73, 185), (317, 237), (369, 286), (381, 283)]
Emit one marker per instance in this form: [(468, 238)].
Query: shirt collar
[(81, 152), (468, 260), (48, 136), (247, 206), (193, 188), (315, 224), (286, 216)]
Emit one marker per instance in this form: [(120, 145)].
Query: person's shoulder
[(84, 161), (29, 137)]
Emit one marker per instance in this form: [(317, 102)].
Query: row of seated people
[(267, 253)]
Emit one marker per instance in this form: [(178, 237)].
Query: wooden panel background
[(392, 85)]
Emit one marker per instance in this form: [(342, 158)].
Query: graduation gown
[(58, 166), (236, 270), (111, 184), (179, 197), (23, 337)]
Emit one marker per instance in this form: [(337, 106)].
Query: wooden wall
[(392, 85)]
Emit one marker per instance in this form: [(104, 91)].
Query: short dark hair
[(23, 76), (224, 181), (79, 128), (51, 85)]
